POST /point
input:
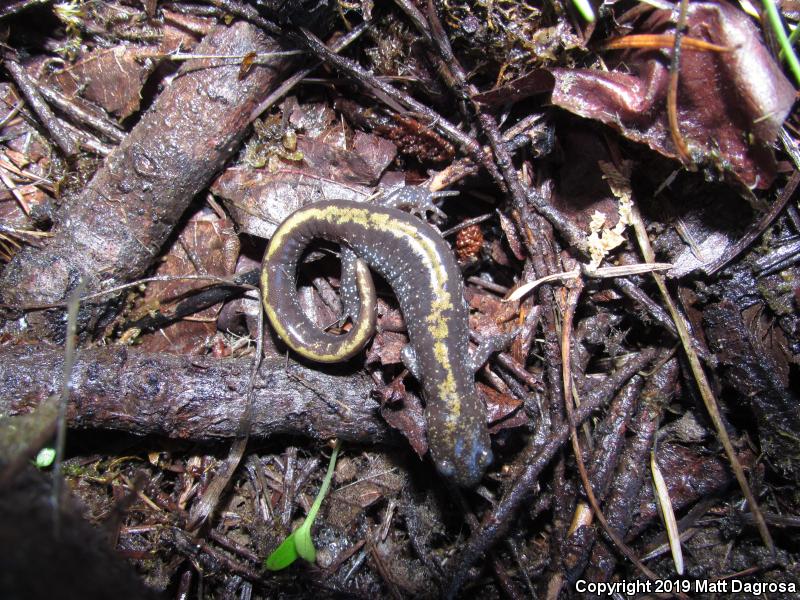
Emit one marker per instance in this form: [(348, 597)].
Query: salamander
[(420, 268)]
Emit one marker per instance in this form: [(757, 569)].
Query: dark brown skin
[(419, 266)]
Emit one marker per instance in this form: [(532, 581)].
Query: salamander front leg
[(416, 199), (409, 358), (489, 345)]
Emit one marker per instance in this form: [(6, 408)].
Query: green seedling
[(45, 458), (775, 22), (299, 542), (585, 9)]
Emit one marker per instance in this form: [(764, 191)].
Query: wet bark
[(193, 398), (113, 231)]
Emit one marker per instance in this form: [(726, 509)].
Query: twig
[(672, 89), (496, 522), (467, 223), (137, 197), (138, 282), (464, 167), (196, 398), (76, 112), (635, 293), (246, 11), (566, 355), (62, 137), (394, 96), (292, 81), (510, 182), (416, 16), (629, 475), (205, 506), (503, 172), (201, 300)]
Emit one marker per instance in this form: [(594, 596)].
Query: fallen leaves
[(730, 105)]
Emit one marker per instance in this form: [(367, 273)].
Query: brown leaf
[(408, 418), (386, 347), (346, 166), (769, 339), (201, 245), (259, 200), (377, 152), (183, 31), (689, 474), (491, 310), (502, 410), (110, 77), (730, 106)]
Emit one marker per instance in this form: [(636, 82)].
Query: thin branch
[(29, 89)]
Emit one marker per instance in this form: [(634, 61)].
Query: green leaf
[(283, 556), (299, 542), (304, 543)]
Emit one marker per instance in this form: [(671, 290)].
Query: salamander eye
[(446, 468)]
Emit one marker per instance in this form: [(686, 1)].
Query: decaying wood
[(113, 231), (750, 368), (193, 398)]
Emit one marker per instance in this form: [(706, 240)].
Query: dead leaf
[(259, 200), (110, 77), (730, 106), (201, 245), (404, 412), (502, 410)]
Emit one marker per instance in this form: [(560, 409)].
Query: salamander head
[(462, 452)]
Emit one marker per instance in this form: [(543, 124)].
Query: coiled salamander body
[(419, 266)]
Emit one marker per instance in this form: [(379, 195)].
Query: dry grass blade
[(665, 508), (13, 188), (566, 335), (73, 304), (702, 381), (601, 273)]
